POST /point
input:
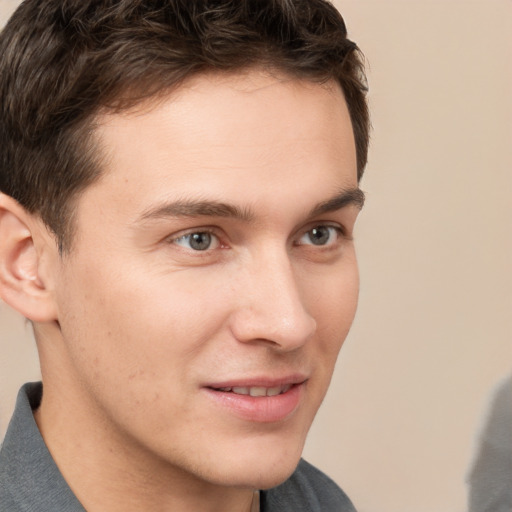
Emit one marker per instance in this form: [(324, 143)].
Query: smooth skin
[(216, 247)]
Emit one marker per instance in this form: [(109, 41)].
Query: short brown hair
[(62, 61)]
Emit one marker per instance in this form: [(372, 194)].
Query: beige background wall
[(433, 333)]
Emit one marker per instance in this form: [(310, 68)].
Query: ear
[(22, 283)]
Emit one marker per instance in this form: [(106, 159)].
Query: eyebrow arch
[(185, 208), (352, 196)]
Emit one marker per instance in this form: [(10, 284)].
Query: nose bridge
[(273, 309)]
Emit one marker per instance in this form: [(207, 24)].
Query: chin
[(261, 470), (273, 478)]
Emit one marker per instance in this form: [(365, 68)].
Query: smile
[(256, 390), (259, 402)]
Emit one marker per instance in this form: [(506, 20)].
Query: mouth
[(255, 391), (258, 402)]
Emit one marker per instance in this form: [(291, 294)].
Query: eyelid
[(343, 231)]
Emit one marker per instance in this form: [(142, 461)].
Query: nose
[(270, 307)]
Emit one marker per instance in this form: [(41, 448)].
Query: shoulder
[(307, 490)]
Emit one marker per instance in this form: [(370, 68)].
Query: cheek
[(129, 321), (333, 294), (138, 340), (333, 305)]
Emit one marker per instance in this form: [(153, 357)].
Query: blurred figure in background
[(490, 477)]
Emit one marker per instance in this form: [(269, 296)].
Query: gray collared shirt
[(30, 481)]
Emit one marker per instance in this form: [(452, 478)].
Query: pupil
[(319, 235), (200, 241)]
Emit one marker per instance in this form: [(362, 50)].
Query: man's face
[(213, 261)]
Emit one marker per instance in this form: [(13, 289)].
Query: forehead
[(219, 103), (225, 133)]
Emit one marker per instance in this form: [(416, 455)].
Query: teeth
[(257, 390), (241, 391), (274, 391)]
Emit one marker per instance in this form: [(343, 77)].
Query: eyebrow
[(184, 208), (351, 197), (205, 208)]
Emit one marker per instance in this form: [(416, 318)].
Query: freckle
[(96, 360)]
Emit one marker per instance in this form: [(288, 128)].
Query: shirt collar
[(29, 477)]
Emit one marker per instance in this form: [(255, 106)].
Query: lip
[(262, 381), (260, 409)]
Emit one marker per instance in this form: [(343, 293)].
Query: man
[(179, 191)]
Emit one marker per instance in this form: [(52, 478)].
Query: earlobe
[(21, 285)]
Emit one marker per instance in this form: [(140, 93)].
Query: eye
[(198, 241), (320, 235)]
